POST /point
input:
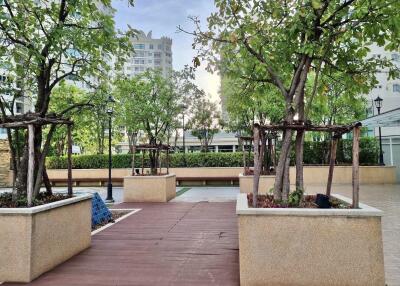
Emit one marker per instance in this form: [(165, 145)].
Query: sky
[(163, 17)]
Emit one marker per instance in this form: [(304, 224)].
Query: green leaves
[(316, 4)]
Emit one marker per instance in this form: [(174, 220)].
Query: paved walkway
[(190, 242), (209, 194), (163, 244)]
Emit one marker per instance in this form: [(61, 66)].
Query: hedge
[(315, 153), (125, 161)]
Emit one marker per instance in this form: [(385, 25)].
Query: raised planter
[(154, 189), (35, 240), (246, 183), (294, 246)]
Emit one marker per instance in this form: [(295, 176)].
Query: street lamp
[(184, 107), (378, 104), (110, 110)]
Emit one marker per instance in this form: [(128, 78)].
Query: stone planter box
[(246, 184), (155, 189), (310, 246), (35, 240)]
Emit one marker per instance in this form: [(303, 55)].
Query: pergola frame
[(28, 121), (337, 130), (151, 147), (247, 141)]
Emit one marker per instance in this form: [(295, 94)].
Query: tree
[(90, 119), (44, 42), (283, 43), (153, 107), (249, 103), (204, 121)]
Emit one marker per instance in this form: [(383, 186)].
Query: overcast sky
[(162, 17)]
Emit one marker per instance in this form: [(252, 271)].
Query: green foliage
[(295, 198), (204, 121), (125, 161), (315, 153)]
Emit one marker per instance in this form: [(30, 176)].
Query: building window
[(157, 62), (396, 87), (396, 57), (139, 46), (136, 68), (19, 107), (151, 46), (160, 47), (150, 61), (139, 54), (157, 55)]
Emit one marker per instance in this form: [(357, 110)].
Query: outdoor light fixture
[(110, 105), (378, 105), (110, 110)]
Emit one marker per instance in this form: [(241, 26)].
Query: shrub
[(314, 153)]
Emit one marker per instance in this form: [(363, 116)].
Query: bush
[(315, 153), (125, 161)]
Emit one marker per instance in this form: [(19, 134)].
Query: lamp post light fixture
[(183, 107), (110, 110), (378, 105)]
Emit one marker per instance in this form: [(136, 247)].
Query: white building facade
[(389, 91), (150, 54)]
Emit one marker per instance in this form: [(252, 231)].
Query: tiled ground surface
[(386, 198)]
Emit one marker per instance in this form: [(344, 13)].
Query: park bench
[(118, 181)]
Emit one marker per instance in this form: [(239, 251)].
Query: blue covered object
[(100, 212)]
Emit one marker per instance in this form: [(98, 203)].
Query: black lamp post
[(378, 104), (183, 106), (110, 110)]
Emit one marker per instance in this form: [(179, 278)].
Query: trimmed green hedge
[(125, 161), (315, 153)]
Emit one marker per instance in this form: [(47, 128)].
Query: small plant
[(295, 198)]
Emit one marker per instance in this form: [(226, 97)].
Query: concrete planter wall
[(310, 246), (35, 240), (149, 188), (246, 184)]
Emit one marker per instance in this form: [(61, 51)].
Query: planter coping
[(251, 176), (242, 208), (150, 176), (46, 207)]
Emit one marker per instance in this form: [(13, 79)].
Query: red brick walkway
[(163, 244)]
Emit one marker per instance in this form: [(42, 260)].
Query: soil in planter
[(114, 215), (308, 201), (22, 201)]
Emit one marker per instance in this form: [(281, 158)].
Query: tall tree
[(204, 121), (281, 43), (52, 41), (153, 107)]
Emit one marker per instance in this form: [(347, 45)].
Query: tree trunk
[(355, 169), (331, 165), (286, 180), (41, 161), (31, 164), (133, 159), (280, 169), (257, 165), (299, 160)]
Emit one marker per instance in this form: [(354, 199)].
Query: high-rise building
[(389, 91), (149, 54), (21, 104)]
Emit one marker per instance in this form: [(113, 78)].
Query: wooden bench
[(120, 180)]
